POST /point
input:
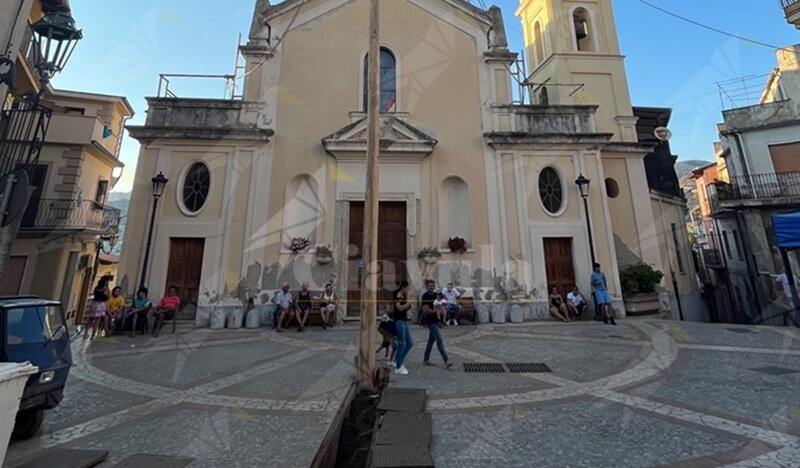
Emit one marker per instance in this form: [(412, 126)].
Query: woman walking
[(98, 307), (400, 308), (431, 319), (601, 296)]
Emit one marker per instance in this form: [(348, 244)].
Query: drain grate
[(527, 367), (774, 370), (405, 429), (484, 367), (410, 400), (395, 456), (741, 331)]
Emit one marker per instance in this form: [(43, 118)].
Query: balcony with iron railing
[(712, 258), (777, 187), (49, 214), (792, 10)]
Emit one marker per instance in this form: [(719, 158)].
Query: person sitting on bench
[(138, 312), (167, 308), (327, 306), (303, 307), (283, 300), (576, 302)]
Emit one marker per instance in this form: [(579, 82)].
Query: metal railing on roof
[(165, 83)]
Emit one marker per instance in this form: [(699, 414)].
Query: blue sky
[(669, 63)]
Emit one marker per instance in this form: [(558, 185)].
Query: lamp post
[(159, 183), (583, 187)]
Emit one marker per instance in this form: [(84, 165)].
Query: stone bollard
[(235, 318), (218, 318), (268, 315), (203, 317), (253, 319), (499, 312), (516, 314), (483, 313)]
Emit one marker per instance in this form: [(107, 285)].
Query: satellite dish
[(18, 196), (663, 133)]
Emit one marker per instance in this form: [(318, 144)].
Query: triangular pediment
[(398, 138)]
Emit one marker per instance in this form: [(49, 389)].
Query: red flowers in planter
[(457, 245)]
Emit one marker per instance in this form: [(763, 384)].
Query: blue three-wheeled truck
[(35, 330)]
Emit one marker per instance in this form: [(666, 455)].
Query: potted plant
[(457, 245), (429, 255), (324, 254), (639, 283), (299, 244)]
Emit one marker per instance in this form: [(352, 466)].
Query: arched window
[(302, 209), (612, 188), (388, 85), (455, 214), (538, 43), (581, 20), (196, 186), (551, 190)]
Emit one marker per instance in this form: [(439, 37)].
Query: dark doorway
[(185, 269), (559, 264), (392, 252)]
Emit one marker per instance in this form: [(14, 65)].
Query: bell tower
[(573, 57)]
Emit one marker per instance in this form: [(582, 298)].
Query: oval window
[(196, 186), (612, 188), (551, 190)]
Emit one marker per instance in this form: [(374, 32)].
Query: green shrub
[(640, 278)]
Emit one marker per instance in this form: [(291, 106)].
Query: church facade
[(270, 188)]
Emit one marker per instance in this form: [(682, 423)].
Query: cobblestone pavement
[(231, 398), (645, 393)]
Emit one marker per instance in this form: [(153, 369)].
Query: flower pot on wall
[(429, 259), (324, 259), (642, 304)]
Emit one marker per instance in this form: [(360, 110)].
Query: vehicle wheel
[(28, 423)]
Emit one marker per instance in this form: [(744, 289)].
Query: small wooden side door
[(185, 268), (559, 263)]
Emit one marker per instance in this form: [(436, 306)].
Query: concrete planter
[(267, 314), (516, 313), (642, 304), (483, 313), (218, 318), (253, 319), (324, 260), (235, 318), (499, 313), (13, 376), (203, 317)]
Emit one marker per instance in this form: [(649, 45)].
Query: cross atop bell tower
[(573, 57)]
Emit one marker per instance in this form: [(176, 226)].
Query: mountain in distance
[(120, 201), (684, 167)]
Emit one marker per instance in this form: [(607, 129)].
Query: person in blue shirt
[(139, 311), (431, 319), (601, 296)]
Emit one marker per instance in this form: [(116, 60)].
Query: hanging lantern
[(55, 38)]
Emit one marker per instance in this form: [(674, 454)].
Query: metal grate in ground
[(405, 429), (527, 367), (775, 370), (410, 400), (484, 367), (397, 456)]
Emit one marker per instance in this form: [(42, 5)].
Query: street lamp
[(583, 187), (159, 184), (54, 39)]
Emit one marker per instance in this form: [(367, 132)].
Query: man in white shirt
[(576, 301), (284, 300), (783, 280), (450, 296)]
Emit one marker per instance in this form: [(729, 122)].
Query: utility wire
[(712, 28)]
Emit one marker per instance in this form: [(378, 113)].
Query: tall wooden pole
[(369, 290)]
